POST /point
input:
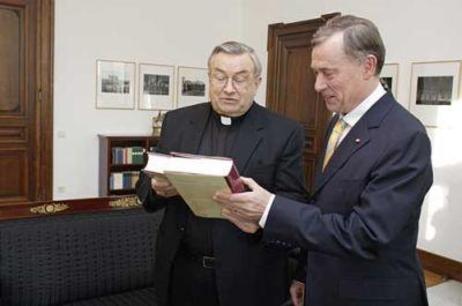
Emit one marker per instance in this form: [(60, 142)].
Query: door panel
[(25, 100), (14, 185), (10, 42), (290, 89)]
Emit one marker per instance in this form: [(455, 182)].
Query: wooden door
[(290, 86), (26, 29)]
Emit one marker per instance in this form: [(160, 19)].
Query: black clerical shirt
[(217, 140)]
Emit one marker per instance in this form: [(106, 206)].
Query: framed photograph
[(193, 86), (434, 92), (155, 87), (389, 78), (115, 84)]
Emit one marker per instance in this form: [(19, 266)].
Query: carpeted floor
[(448, 293)]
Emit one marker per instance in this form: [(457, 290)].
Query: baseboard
[(441, 265)]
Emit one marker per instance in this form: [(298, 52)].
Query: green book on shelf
[(137, 155)]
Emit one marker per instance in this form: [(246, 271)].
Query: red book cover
[(234, 182)]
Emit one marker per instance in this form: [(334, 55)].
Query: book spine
[(137, 155), (120, 156), (234, 183), (130, 155), (116, 181)]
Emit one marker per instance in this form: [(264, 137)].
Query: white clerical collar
[(353, 117), (225, 120)]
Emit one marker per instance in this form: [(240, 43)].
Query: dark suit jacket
[(361, 227), (268, 148)]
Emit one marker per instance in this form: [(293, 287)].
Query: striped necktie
[(334, 139)]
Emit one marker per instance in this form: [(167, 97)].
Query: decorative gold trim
[(49, 208), (128, 202)]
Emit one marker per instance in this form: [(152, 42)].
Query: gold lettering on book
[(128, 202), (49, 208)]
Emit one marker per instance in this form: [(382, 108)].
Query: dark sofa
[(86, 256)]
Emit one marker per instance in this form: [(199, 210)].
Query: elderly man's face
[(233, 83), (340, 79)]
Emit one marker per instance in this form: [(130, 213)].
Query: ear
[(369, 66), (257, 81)]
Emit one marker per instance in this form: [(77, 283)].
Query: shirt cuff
[(262, 221)]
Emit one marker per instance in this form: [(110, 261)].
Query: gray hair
[(360, 38), (237, 48)]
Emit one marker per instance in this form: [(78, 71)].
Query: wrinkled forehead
[(232, 63)]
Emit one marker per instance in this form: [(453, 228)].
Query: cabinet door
[(25, 100)]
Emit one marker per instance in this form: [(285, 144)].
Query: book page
[(197, 191), (160, 163)]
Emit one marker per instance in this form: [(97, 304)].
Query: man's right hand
[(163, 187), (297, 293)]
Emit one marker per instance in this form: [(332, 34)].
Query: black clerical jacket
[(268, 148)]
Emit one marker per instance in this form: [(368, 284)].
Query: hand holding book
[(162, 186), (245, 210)]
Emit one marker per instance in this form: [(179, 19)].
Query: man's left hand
[(244, 209)]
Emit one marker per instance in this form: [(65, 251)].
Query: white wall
[(413, 30), (183, 32), (150, 31)]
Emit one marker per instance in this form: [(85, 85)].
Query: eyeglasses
[(238, 81)]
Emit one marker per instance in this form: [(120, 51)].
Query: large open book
[(196, 178)]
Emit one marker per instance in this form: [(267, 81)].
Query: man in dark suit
[(202, 261), (360, 226)]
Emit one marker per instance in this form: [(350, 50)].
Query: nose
[(319, 83), (229, 87)]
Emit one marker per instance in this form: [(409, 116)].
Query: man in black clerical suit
[(201, 261)]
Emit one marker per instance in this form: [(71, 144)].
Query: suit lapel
[(358, 137), (318, 177), (249, 137), (194, 129)]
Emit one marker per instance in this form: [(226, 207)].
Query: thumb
[(249, 183)]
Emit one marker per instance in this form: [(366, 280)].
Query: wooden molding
[(63, 207), (44, 101), (441, 265)]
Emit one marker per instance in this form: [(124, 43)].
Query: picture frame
[(115, 84), (435, 88), (389, 78), (156, 87), (192, 86)]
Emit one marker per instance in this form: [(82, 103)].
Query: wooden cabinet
[(120, 160)]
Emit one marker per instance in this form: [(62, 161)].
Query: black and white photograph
[(112, 83), (389, 78), (156, 84), (387, 83), (435, 92), (115, 84), (192, 85), (156, 87)]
